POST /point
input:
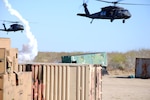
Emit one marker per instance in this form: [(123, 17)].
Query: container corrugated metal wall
[(65, 81), (142, 68)]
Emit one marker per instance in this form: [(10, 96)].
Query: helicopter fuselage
[(109, 12), (113, 13), (16, 27), (13, 27)]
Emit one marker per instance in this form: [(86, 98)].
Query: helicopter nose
[(127, 14), (22, 28)]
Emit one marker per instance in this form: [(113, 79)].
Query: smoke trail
[(29, 51)]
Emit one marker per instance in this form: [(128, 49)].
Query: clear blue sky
[(57, 28)]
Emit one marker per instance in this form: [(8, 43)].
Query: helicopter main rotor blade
[(85, 1), (115, 2), (134, 4), (118, 2), (13, 21), (105, 1), (10, 21)]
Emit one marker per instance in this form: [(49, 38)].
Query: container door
[(142, 68)]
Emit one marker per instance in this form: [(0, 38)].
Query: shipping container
[(87, 58), (62, 81), (142, 68)]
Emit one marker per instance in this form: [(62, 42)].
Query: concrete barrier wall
[(65, 81), (16, 86)]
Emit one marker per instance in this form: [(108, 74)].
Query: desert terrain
[(120, 87)]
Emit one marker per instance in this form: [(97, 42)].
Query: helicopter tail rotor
[(4, 26), (85, 8), (84, 5)]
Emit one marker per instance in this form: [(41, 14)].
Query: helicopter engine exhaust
[(29, 50)]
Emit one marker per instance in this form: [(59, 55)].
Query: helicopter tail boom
[(87, 13), (84, 15)]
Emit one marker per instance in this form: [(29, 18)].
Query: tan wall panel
[(73, 86), (25, 85), (8, 87), (20, 91), (2, 67), (2, 53), (5, 43), (1, 87), (55, 82), (2, 60), (44, 81), (1, 95), (47, 83), (12, 53), (59, 82), (68, 83), (87, 83)]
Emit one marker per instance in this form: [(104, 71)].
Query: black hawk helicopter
[(109, 12), (13, 27)]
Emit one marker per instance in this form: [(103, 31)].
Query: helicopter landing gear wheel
[(111, 20), (123, 21)]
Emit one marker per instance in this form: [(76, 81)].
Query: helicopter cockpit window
[(103, 13), (21, 26), (119, 11), (125, 11)]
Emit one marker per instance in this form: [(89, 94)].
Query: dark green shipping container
[(87, 58)]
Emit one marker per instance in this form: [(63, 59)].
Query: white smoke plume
[(30, 50)]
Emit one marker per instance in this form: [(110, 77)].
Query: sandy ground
[(117, 87)]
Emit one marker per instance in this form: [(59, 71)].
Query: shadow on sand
[(126, 77)]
